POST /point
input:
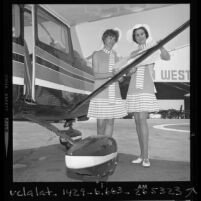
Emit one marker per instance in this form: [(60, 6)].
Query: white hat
[(129, 34)]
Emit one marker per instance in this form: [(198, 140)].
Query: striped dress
[(141, 92), (108, 104)]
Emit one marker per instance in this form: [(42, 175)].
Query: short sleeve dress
[(141, 92), (108, 104)]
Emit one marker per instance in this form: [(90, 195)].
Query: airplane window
[(15, 20), (52, 32)]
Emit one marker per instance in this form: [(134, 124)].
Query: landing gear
[(72, 133), (30, 102), (66, 136)]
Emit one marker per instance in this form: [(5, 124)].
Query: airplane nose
[(94, 156)]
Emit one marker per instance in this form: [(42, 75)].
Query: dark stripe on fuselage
[(18, 57), (60, 70)]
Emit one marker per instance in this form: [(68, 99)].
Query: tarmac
[(39, 157)]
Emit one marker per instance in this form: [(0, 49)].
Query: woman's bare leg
[(137, 124), (144, 132), (101, 123), (109, 127)]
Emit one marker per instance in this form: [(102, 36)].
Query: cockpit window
[(15, 20), (52, 32)]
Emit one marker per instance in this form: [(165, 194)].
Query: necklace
[(107, 51)]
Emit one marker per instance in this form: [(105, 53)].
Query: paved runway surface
[(38, 155)]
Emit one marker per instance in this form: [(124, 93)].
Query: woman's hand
[(133, 54), (164, 53), (121, 79), (115, 71), (133, 70)]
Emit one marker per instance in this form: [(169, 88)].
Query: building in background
[(172, 79)]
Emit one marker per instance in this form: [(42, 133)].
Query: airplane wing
[(75, 14)]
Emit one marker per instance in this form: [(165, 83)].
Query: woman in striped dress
[(108, 104), (141, 97)]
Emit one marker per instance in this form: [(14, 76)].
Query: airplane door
[(29, 58)]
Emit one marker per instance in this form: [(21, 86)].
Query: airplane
[(53, 82)]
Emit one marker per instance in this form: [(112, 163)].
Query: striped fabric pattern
[(101, 109), (111, 106), (111, 88), (151, 74), (141, 69), (140, 77), (147, 45), (142, 102)]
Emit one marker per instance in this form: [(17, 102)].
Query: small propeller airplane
[(53, 82)]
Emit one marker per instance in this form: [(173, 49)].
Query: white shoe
[(138, 160), (146, 163)]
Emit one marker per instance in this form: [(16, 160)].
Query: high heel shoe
[(138, 160), (146, 163)]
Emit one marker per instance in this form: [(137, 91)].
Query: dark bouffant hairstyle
[(110, 32), (145, 31)]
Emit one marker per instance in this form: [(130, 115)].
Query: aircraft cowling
[(94, 157)]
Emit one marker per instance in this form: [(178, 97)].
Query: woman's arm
[(164, 54), (97, 74), (123, 61), (133, 54)]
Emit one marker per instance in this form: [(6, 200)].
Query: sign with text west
[(177, 69)]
